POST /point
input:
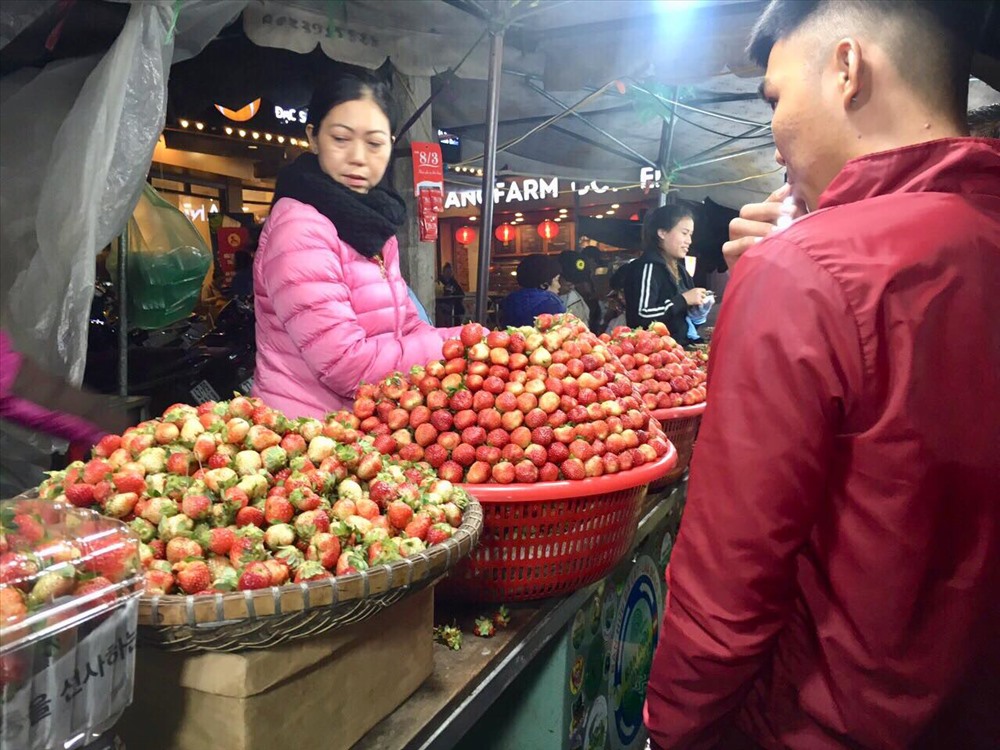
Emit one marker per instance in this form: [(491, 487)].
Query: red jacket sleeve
[(785, 357)]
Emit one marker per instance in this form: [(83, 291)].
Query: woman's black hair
[(348, 87), (664, 217)]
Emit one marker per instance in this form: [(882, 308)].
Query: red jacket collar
[(949, 165)]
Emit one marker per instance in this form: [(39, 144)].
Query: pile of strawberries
[(529, 404), (664, 373), (56, 563), (232, 495)]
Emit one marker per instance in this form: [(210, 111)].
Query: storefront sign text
[(528, 190)]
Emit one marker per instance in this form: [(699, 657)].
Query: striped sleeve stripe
[(644, 288)]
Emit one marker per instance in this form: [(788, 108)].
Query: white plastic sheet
[(76, 143), (72, 175), (17, 15)]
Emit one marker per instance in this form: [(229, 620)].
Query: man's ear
[(850, 67)]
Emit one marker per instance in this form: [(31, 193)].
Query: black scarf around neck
[(363, 220)]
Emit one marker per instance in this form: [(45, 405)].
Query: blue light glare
[(677, 5)]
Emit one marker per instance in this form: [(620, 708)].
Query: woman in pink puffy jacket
[(332, 307)]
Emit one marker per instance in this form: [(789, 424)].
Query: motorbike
[(200, 358)]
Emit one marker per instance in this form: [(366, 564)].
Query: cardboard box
[(323, 692)]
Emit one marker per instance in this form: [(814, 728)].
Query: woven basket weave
[(241, 620)]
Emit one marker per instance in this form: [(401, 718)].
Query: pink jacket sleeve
[(305, 281), (779, 380), (34, 416)]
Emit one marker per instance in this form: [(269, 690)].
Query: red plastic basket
[(551, 538), (681, 425)]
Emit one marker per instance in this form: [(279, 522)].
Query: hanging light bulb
[(229, 131), (281, 139), (184, 123), (243, 133), (200, 125), (268, 136)]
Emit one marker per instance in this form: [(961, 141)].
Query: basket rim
[(563, 489), (166, 611), (679, 412)]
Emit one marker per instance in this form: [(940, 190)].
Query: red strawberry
[(81, 495), (386, 445), (236, 497), (158, 582), (548, 473), (107, 445), (325, 549), (113, 556), (179, 548), (439, 532), (418, 527), (219, 460), (400, 514), (488, 453), (411, 452), (179, 463), (471, 333), (129, 481), (220, 541), (350, 561), (435, 455), (441, 420), (451, 471), (196, 507), (193, 577), (311, 571), (478, 473), (464, 455), (159, 549), (255, 576), (250, 516), (95, 471), (382, 492), (93, 587), (526, 472), (503, 472), (27, 528), (277, 509), (572, 468)]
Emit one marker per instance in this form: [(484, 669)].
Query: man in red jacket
[(835, 580)]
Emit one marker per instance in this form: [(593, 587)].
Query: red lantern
[(465, 235), (548, 229), (504, 233)]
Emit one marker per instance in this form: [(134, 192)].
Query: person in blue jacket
[(538, 277)]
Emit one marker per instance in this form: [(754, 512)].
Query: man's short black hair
[(934, 54)]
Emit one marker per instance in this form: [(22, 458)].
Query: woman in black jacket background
[(657, 286)]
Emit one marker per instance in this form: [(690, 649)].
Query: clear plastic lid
[(60, 566)]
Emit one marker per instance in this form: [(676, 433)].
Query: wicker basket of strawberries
[(256, 530)]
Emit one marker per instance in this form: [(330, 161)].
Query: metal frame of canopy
[(497, 25)]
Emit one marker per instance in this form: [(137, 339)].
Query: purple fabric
[(27, 414)]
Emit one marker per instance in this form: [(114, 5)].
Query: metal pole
[(545, 94), (730, 155), (667, 147), (489, 172), (123, 312)]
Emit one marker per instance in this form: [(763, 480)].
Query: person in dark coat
[(657, 286), (538, 277)]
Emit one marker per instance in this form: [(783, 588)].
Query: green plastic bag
[(167, 263)]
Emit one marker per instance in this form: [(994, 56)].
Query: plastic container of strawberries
[(680, 424), (551, 538), (70, 580)]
